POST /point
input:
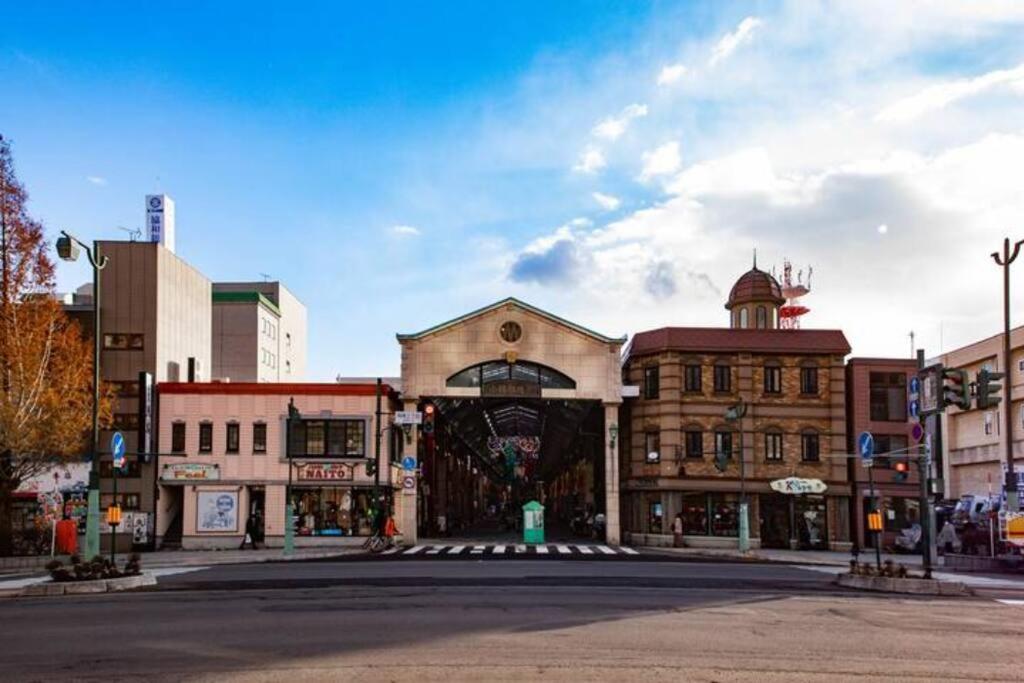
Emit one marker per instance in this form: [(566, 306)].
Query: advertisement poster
[(217, 511)]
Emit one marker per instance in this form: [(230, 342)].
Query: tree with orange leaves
[(45, 364)]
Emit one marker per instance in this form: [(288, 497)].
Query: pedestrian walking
[(250, 533), (677, 531)]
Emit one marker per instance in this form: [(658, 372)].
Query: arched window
[(810, 445), (500, 371), (773, 444), (744, 322), (772, 377), (762, 317)]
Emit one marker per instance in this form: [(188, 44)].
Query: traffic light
[(902, 471), (956, 389), (988, 388), (428, 419)]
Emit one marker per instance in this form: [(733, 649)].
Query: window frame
[(693, 380), (717, 374), (774, 446), (649, 436), (772, 369), (809, 380), (693, 436), (353, 431), (807, 437), (761, 317), (259, 428), (205, 434), (179, 441), (723, 434), (652, 382), (232, 430), (894, 393)]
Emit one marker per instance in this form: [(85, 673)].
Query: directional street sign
[(408, 417), (866, 447), (914, 409), (117, 449), (408, 463), (915, 386)]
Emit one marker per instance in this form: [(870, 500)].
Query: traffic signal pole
[(924, 471), (1004, 260)]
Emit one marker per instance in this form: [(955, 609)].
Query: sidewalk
[(806, 557)]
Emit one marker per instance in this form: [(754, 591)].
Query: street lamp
[(613, 435), (735, 413), (68, 248)]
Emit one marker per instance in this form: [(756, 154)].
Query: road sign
[(117, 449), (915, 386), (874, 521), (914, 409), (866, 445), (917, 432), (408, 417), (1015, 529), (408, 463), (409, 483), (930, 394)]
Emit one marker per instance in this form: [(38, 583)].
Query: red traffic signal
[(902, 471)]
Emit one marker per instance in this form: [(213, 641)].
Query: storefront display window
[(900, 513), (695, 514), (333, 511), (811, 522), (724, 514), (655, 517)]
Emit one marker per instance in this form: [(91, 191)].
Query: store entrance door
[(775, 529)]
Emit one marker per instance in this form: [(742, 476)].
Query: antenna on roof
[(755, 258), (133, 233), (265, 276)]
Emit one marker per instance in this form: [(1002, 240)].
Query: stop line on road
[(518, 550)]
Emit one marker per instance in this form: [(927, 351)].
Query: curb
[(123, 583), (887, 584)]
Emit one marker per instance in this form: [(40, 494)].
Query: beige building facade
[(508, 354), (974, 441), (259, 333)]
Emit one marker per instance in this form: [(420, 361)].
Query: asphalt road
[(506, 620)]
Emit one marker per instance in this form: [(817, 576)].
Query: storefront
[(333, 511)]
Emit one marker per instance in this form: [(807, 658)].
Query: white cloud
[(661, 161), (613, 127), (942, 94), (591, 161), (96, 180), (730, 41), (671, 73), (606, 201), (406, 230), (883, 229), (581, 222)]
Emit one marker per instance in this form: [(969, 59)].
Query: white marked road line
[(564, 549), (1014, 603), (498, 550), (415, 549), (456, 549), (436, 549), (606, 550), (477, 550), (391, 551), (628, 551), (542, 550), (585, 550), (520, 548)]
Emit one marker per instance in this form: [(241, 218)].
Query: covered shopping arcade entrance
[(518, 405)]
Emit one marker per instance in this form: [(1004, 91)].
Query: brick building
[(792, 383), (876, 402)]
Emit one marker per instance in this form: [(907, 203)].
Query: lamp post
[(1004, 260), (734, 414), (68, 248), (289, 511)]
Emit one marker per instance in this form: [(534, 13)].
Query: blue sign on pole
[(914, 409), (866, 445), (915, 385), (117, 449), (408, 463)]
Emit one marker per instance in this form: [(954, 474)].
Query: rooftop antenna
[(755, 258), (133, 233), (265, 276), (911, 335)]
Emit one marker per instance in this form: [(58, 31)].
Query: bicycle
[(378, 543)]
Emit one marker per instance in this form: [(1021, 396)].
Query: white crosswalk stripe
[(519, 549)]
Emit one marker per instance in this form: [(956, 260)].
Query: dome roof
[(755, 286)]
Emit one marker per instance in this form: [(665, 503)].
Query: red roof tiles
[(728, 340)]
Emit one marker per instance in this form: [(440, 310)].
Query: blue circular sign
[(117, 449), (866, 445), (408, 463), (915, 385), (914, 409)]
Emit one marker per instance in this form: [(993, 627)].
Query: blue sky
[(614, 163)]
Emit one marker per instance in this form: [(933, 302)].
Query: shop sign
[(190, 471), (512, 388), (1015, 528), (325, 471), (796, 486)]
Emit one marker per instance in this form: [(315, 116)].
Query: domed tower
[(754, 300)]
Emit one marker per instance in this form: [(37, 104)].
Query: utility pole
[(924, 470), (1004, 260), (376, 448)]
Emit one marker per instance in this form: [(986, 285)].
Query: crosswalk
[(554, 550)]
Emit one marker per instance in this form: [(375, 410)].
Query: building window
[(125, 389), (205, 437), (773, 446), (651, 382), (724, 515), (762, 317), (695, 514), (259, 438), (652, 447), (178, 437), (723, 379), (810, 447), (510, 332), (744, 321), (886, 444), (288, 366), (288, 340), (691, 378), (694, 443), (131, 470), (231, 442), (772, 379), (328, 438), (809, 380), (888, 396), (128, 501), (122, 342), (723, 443)]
